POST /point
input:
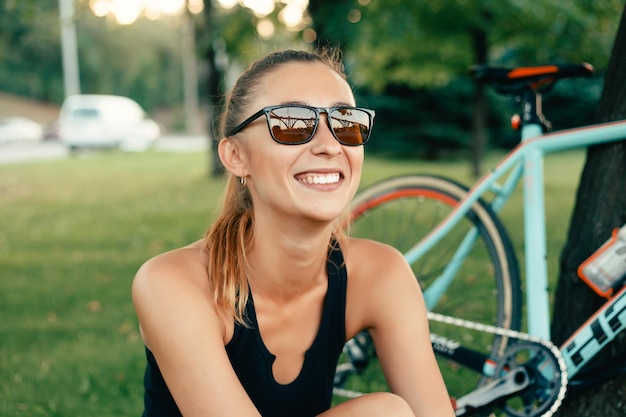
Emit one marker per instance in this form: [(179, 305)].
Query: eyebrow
[(335, 104)]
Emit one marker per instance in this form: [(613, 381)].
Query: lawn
[(72, 234)]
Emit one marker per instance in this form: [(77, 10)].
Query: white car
[(106, 121), (20, 130)]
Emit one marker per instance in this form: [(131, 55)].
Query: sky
[(127, 11)]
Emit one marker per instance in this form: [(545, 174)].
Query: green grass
[(72, 234)]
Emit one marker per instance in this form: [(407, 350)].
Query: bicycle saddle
[(534, 78)]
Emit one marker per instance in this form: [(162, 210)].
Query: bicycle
[(452, 237)]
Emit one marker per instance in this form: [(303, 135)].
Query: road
[(17, 153)]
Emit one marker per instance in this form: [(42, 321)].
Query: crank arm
[(509, 384)]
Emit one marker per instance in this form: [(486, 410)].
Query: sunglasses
[(296, 124)]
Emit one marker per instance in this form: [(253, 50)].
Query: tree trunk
[(214, 93), (479, 119), (600, 207), (330, 22)]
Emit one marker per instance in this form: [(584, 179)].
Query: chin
[(325, 215)]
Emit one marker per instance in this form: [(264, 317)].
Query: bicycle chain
[(500, 331)]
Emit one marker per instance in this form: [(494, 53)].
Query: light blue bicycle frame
[(525, 162)]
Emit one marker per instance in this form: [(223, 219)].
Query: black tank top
[(308, 395)]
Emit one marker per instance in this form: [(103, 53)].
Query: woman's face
[(317, 179)]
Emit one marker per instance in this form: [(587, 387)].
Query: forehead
[(312, 83)]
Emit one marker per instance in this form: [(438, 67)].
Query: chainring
[(541, 359), (544, 370)]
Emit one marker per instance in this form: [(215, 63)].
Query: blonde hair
[(228, 238)]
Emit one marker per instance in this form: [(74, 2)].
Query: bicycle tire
[(400, 211)]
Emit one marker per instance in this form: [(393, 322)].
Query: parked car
[(20, 130), (105, 121)]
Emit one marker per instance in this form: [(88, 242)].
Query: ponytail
[(226, 244)]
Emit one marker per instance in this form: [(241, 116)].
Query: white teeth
[(321, 179)]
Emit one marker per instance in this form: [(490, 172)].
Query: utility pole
[(69, 48)]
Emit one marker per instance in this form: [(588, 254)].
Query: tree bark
[(214, 93), (479, 119), (329, 22), (600, 207)]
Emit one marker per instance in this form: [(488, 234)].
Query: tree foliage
[(141, 61), (421, 43), (30, 59), (402, 55)]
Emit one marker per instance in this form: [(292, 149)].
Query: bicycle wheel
[(486, 288)]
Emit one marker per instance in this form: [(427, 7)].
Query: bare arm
[(184, 331), (393, 308)]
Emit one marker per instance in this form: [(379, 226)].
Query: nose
[(324, 140)]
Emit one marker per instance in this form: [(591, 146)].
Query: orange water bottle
[(605, 270)]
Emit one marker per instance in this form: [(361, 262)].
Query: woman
[(250, 321)]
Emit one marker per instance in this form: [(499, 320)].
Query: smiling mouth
[(320, 178)]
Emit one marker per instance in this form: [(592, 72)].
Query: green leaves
[(429, 43)]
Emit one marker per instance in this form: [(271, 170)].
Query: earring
[(242, 180)]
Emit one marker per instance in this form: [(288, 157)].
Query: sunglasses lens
[(292, 125), (351, 126)]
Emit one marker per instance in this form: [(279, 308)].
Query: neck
[(285, 262)]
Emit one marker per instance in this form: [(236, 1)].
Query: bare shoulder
[(172, 286), (184, 265), (369, 259), (381, 285)]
